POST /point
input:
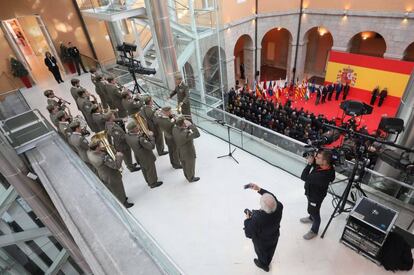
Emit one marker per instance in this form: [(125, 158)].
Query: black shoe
[(178, 167), (163, 153), (158, 183), (194, 179), (259, 265), (128, 204), (134, 169)]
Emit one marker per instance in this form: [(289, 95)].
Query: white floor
[(200, 225)]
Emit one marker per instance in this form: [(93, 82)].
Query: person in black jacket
[(51, 63), (346, 91), (262, 226), (317, 175), (383, 94), (76, 58), (375, 93)]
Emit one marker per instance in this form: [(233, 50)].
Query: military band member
[(184, 132), (85, 106), (183, 96), (98, 117), (130, 104), (100, 90), (53, 109), (108, 170), (166, 121), (50, 95), (63, 128), (80, 144), (116, 135), (107, 88), (113, 91), (75, 88), (93, 75), (142, 147), (147, 112)]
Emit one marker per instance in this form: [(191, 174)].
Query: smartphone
[(246, 186)]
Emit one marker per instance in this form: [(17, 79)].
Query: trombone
[(103, 139)]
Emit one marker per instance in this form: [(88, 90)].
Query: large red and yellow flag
[(366, 72)]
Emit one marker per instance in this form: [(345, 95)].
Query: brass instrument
[(142, 123), (103, 139), (62, 100)]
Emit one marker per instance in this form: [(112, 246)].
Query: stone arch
[(408, 54), (189, 75), (243, 55), (369, 43), (318, 42), (275, 53), (211, 71)]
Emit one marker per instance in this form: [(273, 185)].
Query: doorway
[(30, 41)]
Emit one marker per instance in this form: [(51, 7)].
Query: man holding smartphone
[(317, 175), (262, 226)]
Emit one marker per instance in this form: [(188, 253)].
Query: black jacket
[(317, 182), (263, 228), (51, 63), (74, 52)]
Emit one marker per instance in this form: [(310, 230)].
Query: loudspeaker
[(391, 125), (353, 107), (257, 73)]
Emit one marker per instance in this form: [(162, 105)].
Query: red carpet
[(330, 109)]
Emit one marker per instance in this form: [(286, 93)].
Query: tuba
[(102, 137), (142, 123)]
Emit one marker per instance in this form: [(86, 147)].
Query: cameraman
[(317, 175), (262, 226)]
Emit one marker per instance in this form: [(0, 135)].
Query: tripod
[(230, 153), (136, 86), (340, 207)]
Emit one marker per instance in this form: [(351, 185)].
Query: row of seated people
[(299, 124), (146, 129)]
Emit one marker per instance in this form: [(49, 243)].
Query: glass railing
[(12, 103), (282, 151), (109, 6)]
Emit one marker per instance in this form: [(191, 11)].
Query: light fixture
[(322, 31), (406, 16), (345, 14), (304, 11), (279, 28)]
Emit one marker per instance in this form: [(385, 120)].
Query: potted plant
[(18, 70), (66, 58)]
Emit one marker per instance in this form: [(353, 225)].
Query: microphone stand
[(230, 153)]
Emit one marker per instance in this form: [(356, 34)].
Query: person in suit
[(338, 90), (108, 170), (331, 88), (147, 112), (76, 58), (183, 96), (383, 94), (184, 132), (318, 95), (374, 96), (262, 226), (142, 147), (51, 63), (346, 91), (324, 94), (165, 120)]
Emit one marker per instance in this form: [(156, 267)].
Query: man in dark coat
[(324, 93), (338, 89), (317, 175), (330, 91), (346, 91), (262, 226), (375, 93), (318, 95), (76, 58), (382, 95)]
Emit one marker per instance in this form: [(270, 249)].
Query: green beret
[(74, 124), (60, 114), (48, 92), (50, 107)]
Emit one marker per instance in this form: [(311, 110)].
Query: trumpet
[(103, 139), (142, 124)]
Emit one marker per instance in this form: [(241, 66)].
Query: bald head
[(268, 203)]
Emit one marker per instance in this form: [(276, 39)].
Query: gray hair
[(268, 203)]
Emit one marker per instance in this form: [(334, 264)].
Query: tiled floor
[(200, 225)]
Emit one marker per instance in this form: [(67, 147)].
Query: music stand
[(230, 153)]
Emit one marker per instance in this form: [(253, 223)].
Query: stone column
[(248, 54), (231, 82), (300, 62), (259, 58)]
